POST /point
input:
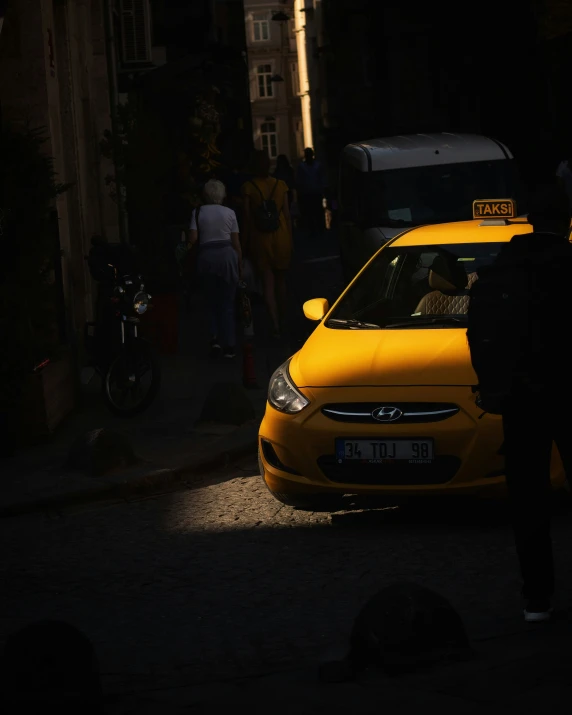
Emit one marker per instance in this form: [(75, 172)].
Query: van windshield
[(432, 194)]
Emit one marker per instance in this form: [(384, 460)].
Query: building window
[(265, 88), (135, 31), (299, 133), (269, 138), (292, 36), (295, 79), (260, 27)]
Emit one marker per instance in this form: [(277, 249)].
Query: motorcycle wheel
[(132, 380)]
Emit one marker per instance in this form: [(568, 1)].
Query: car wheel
[(304, 502)]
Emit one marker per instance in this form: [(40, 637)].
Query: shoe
[(229, 352), (537, 611), (215, 348)]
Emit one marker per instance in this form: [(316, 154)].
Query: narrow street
[(221, 580), (142, 142), (218, 579)]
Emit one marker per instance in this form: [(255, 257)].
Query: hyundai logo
[(386, 414)]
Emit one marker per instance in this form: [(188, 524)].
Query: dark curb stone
[(153, 481), (100, 451)]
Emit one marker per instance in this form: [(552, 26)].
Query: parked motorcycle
[(127, 364)]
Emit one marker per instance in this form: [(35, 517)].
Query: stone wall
[(53, 74)]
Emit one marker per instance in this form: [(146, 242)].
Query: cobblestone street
[(220, 580)]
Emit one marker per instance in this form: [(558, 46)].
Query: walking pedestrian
[(233, 182), (269, 227), (214, 229), (285, 173), (518, 342), (310, 187)]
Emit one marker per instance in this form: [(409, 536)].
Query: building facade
[(275, 91), (384, 68), (54, 77)]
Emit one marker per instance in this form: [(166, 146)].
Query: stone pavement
[(191, 598), (527, 672), (169, 439)]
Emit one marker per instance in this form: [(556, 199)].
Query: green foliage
[(27, 307), (204, 130), (130, 145), (165, 145)]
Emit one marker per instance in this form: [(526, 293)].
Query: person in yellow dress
[(270, 251)]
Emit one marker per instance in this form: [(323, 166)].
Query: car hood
[(422, 356)]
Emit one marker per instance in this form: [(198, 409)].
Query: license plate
[(384, 450)]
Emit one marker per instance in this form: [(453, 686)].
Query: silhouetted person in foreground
[(518, 334), (50, 667)]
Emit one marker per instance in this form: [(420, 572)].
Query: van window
[(430, 194)]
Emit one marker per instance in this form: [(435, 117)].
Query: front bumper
[(298, 451)]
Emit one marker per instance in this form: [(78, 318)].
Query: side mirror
[(316, 308)]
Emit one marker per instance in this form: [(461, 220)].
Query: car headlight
[(282, 393), (140, 303)]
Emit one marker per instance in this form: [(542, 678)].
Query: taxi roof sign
[(494, 208)]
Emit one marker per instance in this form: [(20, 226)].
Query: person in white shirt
[(219, 264)]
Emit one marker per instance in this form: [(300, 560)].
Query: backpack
[(267, 216), (505, 329)]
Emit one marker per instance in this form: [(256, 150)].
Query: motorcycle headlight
[(140, 303), (282, 393)]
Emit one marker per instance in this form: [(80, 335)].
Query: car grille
[(441, 470), (273, 459), (412, 412)]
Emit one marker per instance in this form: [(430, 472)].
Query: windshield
[(431, 194), (414, 287)]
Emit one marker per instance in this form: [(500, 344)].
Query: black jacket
[(547, 259)]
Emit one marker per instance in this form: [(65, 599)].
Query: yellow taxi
[(381, 398)]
